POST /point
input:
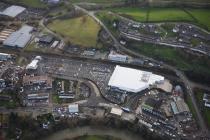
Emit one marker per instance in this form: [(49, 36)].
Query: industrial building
[(179, 106), (46, 39), (4, 56), (31, 80), (40, 96), (34, 63), (116, 111), (73, 108), (19, 38), (13, 11), (133, 80), (206, 99), (117, 57)]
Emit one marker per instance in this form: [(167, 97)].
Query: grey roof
[(19, 38), (13, 11), (73, 108), (174, 108), (46, 38)]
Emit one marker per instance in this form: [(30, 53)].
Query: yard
[(81, 31)]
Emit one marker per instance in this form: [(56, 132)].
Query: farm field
[(80, 31)]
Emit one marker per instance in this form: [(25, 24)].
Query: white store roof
[(133, 80), (13, 11)]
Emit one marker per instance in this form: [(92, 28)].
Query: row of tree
[(31, 128)]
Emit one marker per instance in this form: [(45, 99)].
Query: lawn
[(30, 3), (56, 99), (81, 31), (202, 16)]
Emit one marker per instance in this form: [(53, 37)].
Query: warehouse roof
[(13, 11), (19, 38), (132, 80), (46, 39), (73, 108), (116, 111), (33, 65)]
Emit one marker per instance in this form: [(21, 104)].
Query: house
[(206, 99), (46, 39)]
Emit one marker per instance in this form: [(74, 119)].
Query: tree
[(131, 2)]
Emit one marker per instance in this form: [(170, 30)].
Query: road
[(181, 75)]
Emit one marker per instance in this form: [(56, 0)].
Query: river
[(88, 130)]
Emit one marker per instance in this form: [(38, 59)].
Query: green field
[(168, 14), (139, 14), (200, 17), (154, 14), (30, 3), (81, 30)]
